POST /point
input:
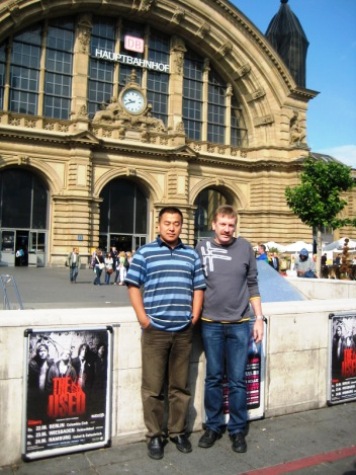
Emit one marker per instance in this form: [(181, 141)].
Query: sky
[(330, 26)]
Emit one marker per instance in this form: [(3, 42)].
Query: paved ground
[(320, 441), (46, 287)]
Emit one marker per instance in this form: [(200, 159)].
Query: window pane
[(25, 70), (141, 213), (122, 201), (39, 211), (216, 108), (238, 130), (16, 199), (2, 73), (192, 95), (59, 66), (101, 72), (22, 195)]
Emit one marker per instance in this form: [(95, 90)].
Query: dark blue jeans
[(225, 346), (73, 273), (98, 273)]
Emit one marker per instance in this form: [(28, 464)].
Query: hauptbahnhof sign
[(125, 59)]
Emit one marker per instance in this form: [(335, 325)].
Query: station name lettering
[(125, 59)]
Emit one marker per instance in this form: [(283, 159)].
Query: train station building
[(111, 110)]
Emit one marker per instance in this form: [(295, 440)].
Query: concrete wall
[(324, 289), (296, 367)]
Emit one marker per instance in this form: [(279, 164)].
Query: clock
[(133, 101)]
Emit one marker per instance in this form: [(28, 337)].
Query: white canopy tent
[(297, 246), (274, 245), (339, 244)]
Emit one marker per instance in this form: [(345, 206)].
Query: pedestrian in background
[(73, 262), (98, 265), (109, 267)]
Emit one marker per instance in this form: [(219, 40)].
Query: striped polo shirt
[(169, 277)]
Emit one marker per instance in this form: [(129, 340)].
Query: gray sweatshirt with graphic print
[(231, 279)]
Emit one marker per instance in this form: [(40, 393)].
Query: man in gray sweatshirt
[(230, 270)]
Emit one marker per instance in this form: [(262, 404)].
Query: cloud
[(344, 153)]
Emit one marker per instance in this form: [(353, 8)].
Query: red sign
[(134, 44)]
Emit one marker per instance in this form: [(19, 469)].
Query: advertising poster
[(67, 390), (255, 379), (342, 358)]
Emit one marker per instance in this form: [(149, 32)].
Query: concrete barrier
[(324, 289), (296, 367)]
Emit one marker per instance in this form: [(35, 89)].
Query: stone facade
[(78, 157)]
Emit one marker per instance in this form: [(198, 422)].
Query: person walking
[(173, 284), (73, 262), (109, 267), (230, 270), (99, 265)]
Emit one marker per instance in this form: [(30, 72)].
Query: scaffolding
[(11, 295)]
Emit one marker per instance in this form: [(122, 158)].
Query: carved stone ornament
[(13, 8), (264, 120), (224, 49), (145, 5), (178, 49), (84, 27), (114, 116), (203, 31), (242, 71), (256, 94), (23, 160), (178, 16), (296, 131)]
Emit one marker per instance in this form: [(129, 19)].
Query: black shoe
[(182, 443), (238, 443), (155, 448), (208, 439)]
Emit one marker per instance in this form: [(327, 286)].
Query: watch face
[(133, 101)]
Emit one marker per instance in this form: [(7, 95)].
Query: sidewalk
[(47, 287), (321, 441)]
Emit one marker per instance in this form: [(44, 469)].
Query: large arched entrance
[(123, 216), (23, 218), (206, 202)]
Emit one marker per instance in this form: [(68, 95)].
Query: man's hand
[(258, 331), (145, 324)]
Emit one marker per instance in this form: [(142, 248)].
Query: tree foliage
[(317, 200)]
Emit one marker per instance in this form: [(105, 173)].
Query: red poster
[(342, 357)]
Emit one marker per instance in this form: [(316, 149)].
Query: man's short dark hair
[(170, 210), (263, 247)]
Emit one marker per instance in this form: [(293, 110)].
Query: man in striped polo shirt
[(173, 287)]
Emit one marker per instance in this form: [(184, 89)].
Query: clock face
[(133, 101)]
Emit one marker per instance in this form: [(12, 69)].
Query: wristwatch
[(260, 317)]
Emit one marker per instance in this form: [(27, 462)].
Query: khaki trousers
[(165, 353)]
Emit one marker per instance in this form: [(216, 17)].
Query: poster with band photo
[(67, 390), (342, 358)]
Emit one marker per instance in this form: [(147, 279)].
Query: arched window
[(38, 64), (123, 215), (23, 200), (206, 202), (26, 75)]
